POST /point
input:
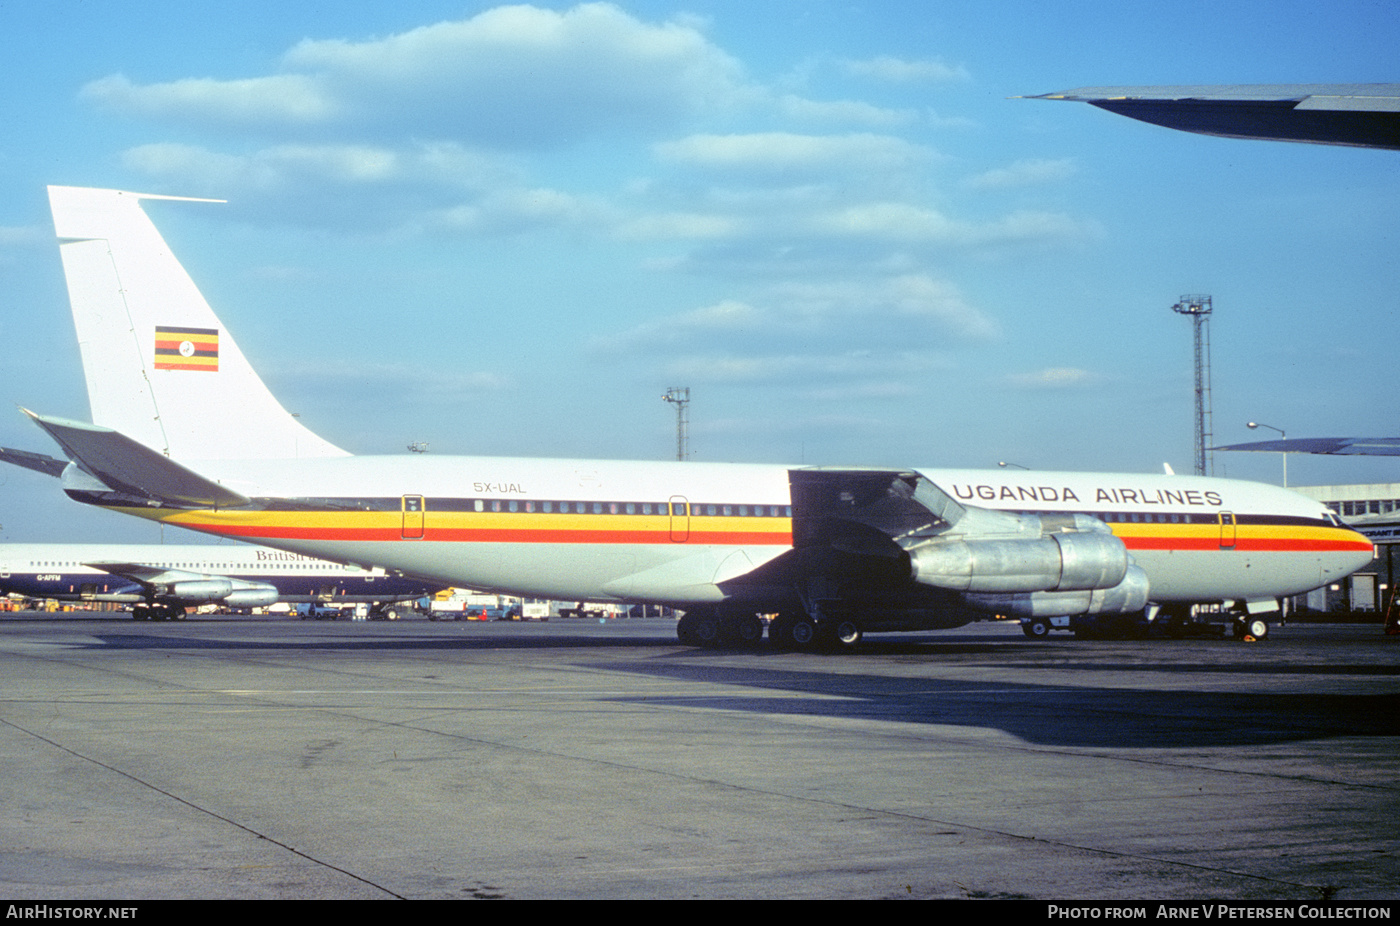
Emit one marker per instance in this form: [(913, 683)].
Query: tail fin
[(160, 366)]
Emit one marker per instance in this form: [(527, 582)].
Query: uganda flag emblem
[(187, 349)]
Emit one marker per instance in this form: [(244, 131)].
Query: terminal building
[(1374, 510)]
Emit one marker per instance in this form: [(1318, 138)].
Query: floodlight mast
[(1199, 309), (679, 396)]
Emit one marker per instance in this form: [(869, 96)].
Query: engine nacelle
[(1124, 598), (199, 590), (232, 592), (254, 596), (1067, 562)]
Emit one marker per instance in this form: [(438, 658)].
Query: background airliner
[(184, 432), (160, 581), (1357, 115)]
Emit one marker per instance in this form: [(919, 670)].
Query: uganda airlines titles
[(1113, 496)]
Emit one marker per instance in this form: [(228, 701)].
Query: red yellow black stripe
[(484, 527), (457, 526), (1292, 538)]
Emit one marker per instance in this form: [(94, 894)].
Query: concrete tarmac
[(222, 758)]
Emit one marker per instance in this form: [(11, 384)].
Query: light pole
[(679, 396), (1259, 424), (1199, 309)]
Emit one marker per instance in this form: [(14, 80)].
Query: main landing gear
[(157, 611), (384, 612), (1180, 621), (710, 627), (713, 627), (1250, 626)]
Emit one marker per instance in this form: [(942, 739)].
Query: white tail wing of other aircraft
[(160, 367)]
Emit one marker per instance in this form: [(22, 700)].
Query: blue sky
[(506, 230)]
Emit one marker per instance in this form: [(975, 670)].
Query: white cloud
[(279, 101), (724, 318), (855, 112), (1031, 172), (12, 235), (680, 225), (899, 70), (517, 210), (902, 299), (510, 76), (888, 220), (787, 151), (915, 224), (861, 373), (1055, 378), (873, 320), (411, 131), (281, 166)]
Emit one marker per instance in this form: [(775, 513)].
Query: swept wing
[(1358, 115)]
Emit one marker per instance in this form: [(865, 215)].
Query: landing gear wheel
[(795, 632), (842, 635), (744, 631), (1037, 628), (698, 628), (1255, 627)]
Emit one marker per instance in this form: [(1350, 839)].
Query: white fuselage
[(74, 571), (677, 532)]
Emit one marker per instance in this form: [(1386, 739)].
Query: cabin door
[(1227, 530), (412, 517), (680, 519)]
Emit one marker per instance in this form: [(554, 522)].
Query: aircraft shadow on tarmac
[(135, 641), (503, 638), (1050, 715)]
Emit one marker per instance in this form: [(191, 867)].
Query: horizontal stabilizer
[(40, 463), (132, 468)]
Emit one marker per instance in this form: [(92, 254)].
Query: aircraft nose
[(1358, 553)]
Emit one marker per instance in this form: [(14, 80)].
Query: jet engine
[(255, 596), (889, 525), (1039, 566), (1124, 598), (1064, 562), (228, 591)]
